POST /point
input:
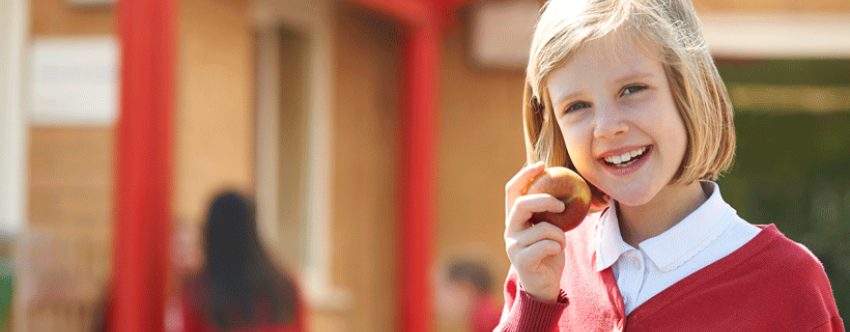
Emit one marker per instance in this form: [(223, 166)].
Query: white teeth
[(625, 157)]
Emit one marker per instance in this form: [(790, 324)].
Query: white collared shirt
[(708, 234)]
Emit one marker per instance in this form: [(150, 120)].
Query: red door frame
[(420, 70), (424, 22), (142, 194)]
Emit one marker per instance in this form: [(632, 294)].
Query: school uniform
[(712, 271)]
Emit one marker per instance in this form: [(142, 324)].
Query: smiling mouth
[(626, 159)]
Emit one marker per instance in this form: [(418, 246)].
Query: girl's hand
[(536, 251)]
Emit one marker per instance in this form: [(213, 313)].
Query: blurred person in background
[(464, 294), (186, 260), (238, 288), (187, 254)]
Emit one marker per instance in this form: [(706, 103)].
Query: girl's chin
[(632, 199)]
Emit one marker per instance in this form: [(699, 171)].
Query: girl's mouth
[(627, 159), (627, 162)]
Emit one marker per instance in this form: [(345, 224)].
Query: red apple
[(566, 186)]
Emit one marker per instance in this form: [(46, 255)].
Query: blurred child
[(464, 293), (238, 288), (625, 93), (186, 261)]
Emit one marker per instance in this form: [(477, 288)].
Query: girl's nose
[(610, 124)]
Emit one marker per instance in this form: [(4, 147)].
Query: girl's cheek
[(577, 138), (581, 160)]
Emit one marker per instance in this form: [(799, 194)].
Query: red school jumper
[(769, 284)]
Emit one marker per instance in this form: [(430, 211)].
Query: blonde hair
[(672, 27)]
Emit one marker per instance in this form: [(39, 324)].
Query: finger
[(514, 187), (532, 255), (525, 206), (541, 231)]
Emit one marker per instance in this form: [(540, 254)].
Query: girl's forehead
[(614, 51), (619, 48)]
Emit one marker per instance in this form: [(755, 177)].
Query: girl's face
[(621, 127)]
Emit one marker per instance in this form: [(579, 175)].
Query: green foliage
[(820, 72), (6, 283)]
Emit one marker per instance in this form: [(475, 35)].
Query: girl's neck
[(665, 210)]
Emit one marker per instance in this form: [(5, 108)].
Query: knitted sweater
[(769, 284)]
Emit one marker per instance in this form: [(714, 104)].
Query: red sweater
[(485, 314), (769, 284)]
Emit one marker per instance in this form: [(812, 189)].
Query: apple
[(567, 186)]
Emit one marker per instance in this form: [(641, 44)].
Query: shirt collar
[(610, 245), (675, 246)]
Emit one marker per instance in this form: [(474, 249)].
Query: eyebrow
[(620, 81), (633, 76), (560, 99)]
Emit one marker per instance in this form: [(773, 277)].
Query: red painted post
[(143, 174), (419, 174), (407, 12), (421, 66)]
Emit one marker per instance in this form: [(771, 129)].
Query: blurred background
[(301, 104)]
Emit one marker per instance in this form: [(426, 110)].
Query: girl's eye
[(632, 89), (576, 107)]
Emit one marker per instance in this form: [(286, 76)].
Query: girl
[(239, 288), (626, 93)]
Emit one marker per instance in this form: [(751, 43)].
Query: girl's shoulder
[(773, 249), (773, 261), (790, 279)]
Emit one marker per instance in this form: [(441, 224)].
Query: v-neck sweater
[(769, 284), (706, 235)]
